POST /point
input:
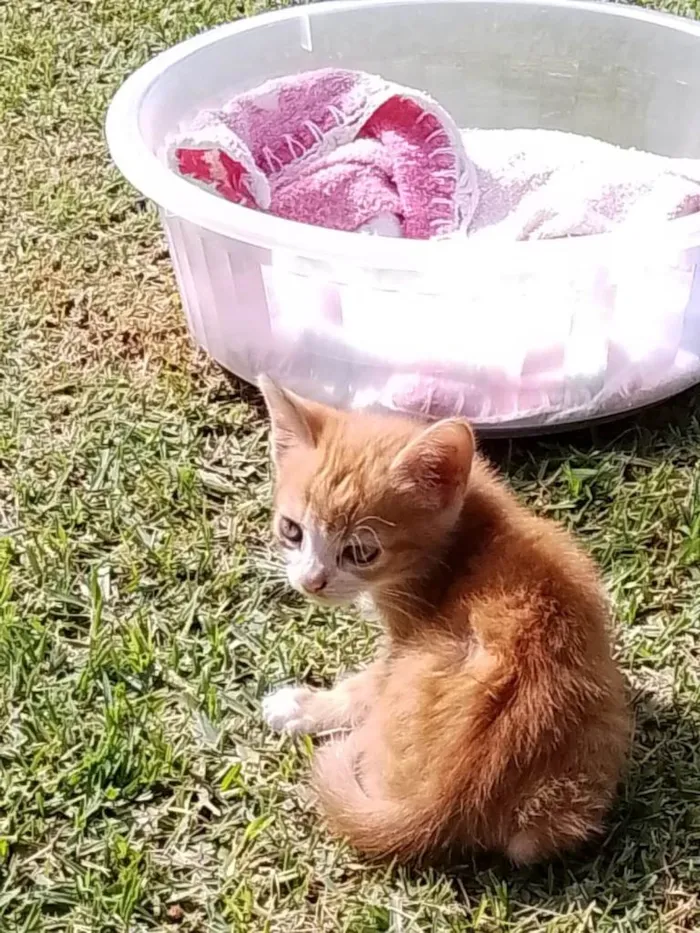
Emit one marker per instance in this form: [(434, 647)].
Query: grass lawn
[(141, 615)]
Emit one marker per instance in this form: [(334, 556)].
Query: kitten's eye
[(290, 531), (359, 556)]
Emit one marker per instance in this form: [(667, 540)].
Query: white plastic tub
[(318, 309)]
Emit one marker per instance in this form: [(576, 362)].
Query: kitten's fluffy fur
[(494, 717)]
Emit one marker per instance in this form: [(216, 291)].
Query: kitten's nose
[(315, 582)]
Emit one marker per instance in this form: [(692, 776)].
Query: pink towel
[(339, 149)]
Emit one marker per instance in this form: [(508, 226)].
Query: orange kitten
[(494, 717)]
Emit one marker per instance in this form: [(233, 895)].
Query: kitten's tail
[(379, 828)]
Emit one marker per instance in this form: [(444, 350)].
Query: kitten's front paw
[(286, 710)]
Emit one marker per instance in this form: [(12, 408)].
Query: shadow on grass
[(648, 433), (654, 829)]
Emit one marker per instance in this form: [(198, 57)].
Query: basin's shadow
[(648, 433)]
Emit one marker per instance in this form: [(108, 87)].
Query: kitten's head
[(361, 501)]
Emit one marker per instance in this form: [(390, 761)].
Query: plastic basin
[(341, 317)]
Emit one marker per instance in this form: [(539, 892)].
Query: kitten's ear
[(435, 466), (295, 421)]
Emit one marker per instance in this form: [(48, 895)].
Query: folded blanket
[(544, 184), (351, 151), (339, 149)]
